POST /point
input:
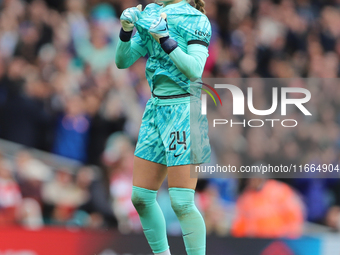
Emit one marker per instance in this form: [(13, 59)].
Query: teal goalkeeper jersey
[(187, 26)]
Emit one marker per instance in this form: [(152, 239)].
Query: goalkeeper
[(175, 37)]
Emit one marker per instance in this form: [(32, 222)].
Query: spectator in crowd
[(10, 196), (98, 202), (98, 53), (117, 157), (102, 125), (268, 209), (217, 214), (333, 218), (25, 101), (31, 175), (62, 197), (72, 131)]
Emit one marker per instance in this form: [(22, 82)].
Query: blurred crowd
[(61, 92)]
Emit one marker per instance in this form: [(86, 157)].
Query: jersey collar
[(171, 6)]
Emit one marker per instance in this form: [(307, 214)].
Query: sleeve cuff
[(169, 45), (125, 36)]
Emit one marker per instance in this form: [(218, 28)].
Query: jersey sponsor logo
[(176, 156), (201, 33)]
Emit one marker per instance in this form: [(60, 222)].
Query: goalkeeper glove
[(129, 17), (159, 28), (160, 32)]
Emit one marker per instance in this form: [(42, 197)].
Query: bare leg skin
[(147, 174)]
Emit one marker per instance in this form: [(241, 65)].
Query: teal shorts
[(174, 133)]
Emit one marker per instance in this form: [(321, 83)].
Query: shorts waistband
[(172, 96), (170, 100)]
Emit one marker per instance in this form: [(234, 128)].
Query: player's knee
[(181, 209), (142, 198), (137, 200), (182, 206)]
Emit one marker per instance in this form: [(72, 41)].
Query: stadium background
[(69, 120)]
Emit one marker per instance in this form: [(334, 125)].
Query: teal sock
[(151, 217), (191, 220)]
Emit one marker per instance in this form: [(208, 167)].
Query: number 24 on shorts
[(175, 136)]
